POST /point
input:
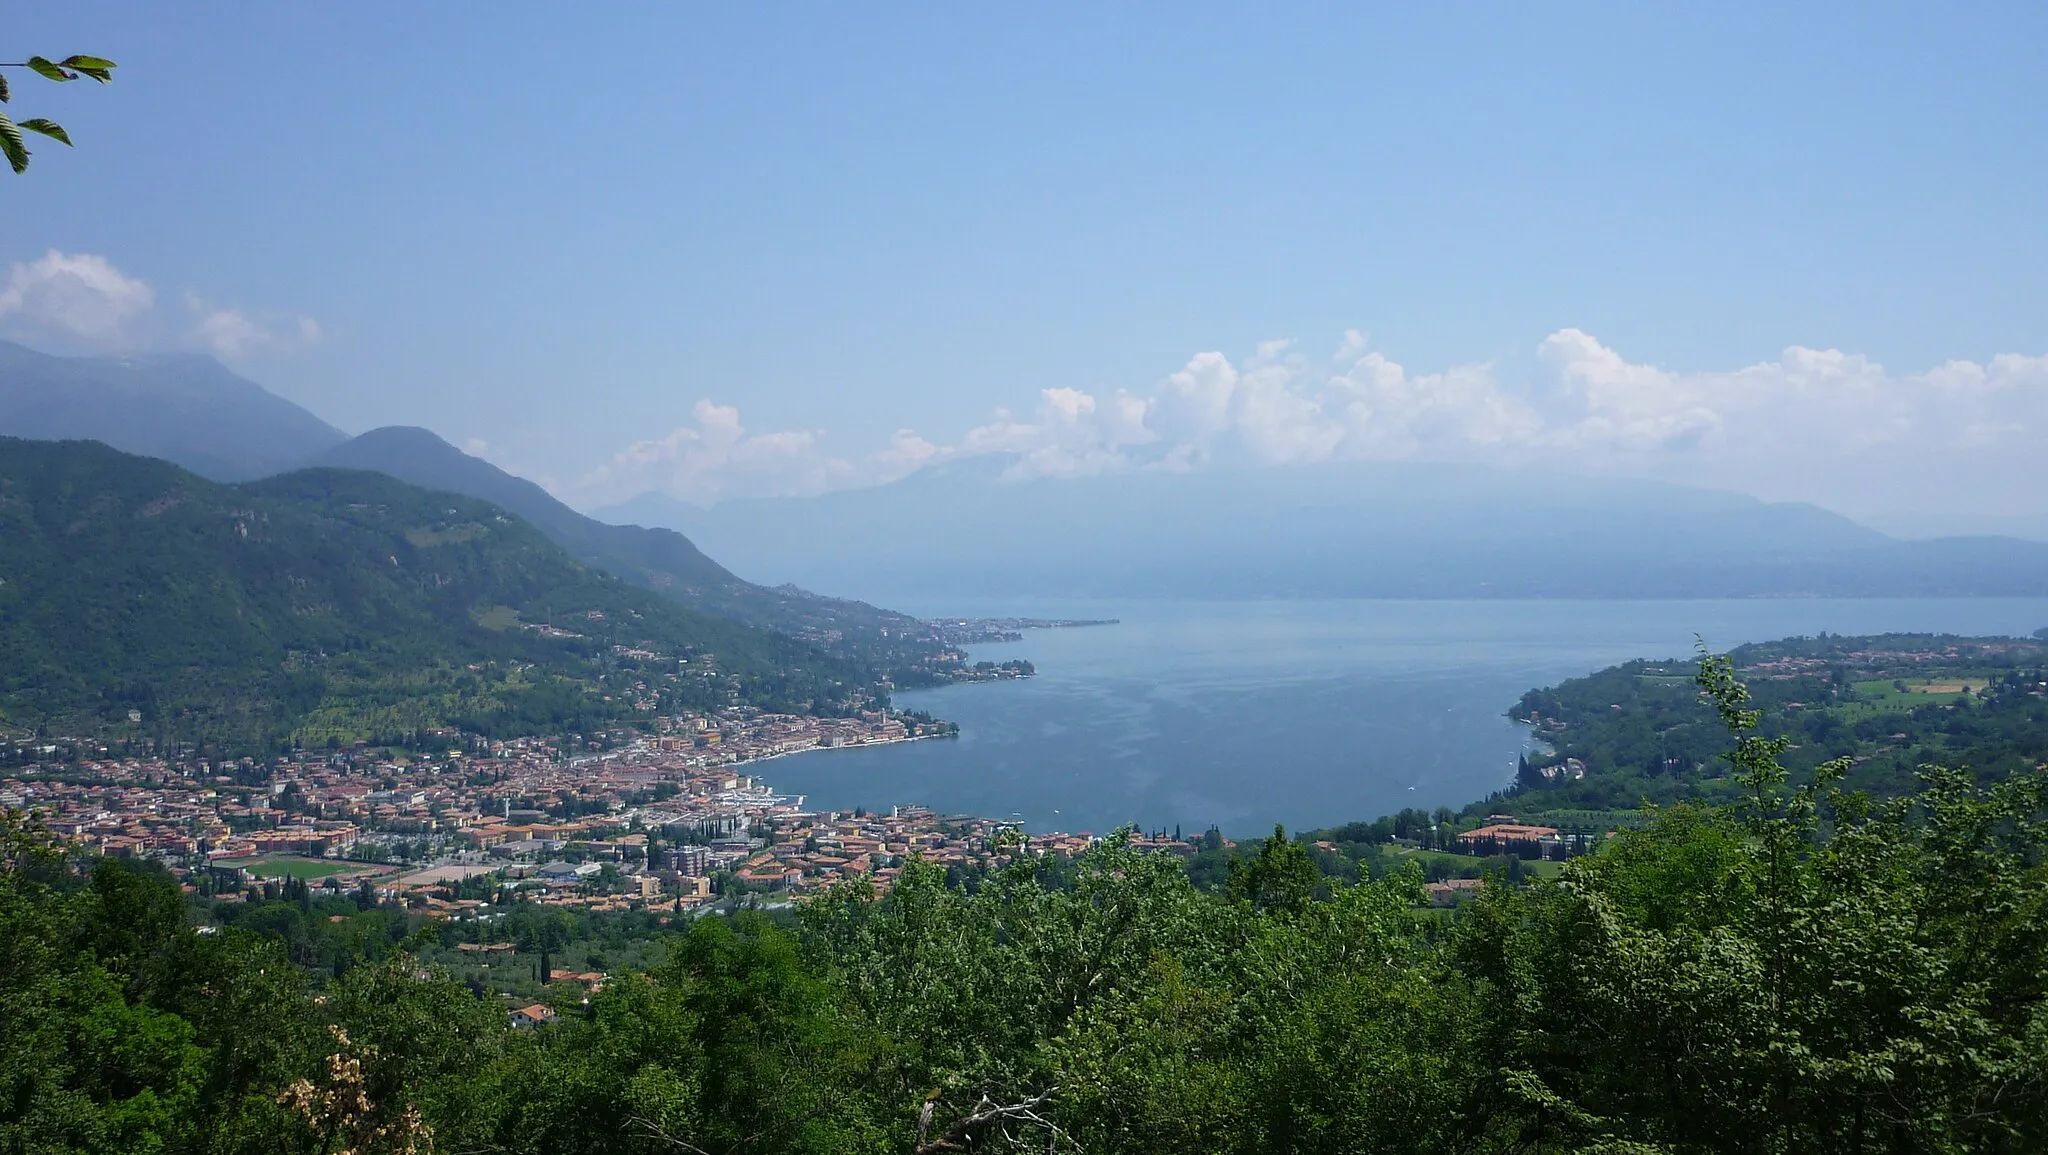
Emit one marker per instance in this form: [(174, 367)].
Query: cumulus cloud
[(1813, 424), (232, 334), (716, 457), (1275, 408), (74, 295), (1069, 434), (81, 301)]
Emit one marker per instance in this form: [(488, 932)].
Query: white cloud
[(1276, 409), (1070, 434), (74, 295), (1814, 424), (715, 457), (81, 301), (232, 334), (228, 333)]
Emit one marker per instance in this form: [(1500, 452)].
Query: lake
[(1308, 713)]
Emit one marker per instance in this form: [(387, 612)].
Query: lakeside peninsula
[(981, 631)]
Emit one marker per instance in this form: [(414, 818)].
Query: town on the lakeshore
[(673, 820)]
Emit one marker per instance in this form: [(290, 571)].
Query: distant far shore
[(964, 631)]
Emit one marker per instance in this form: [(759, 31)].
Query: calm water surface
[(1308, 713)]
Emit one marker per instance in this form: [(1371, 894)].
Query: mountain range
[(659, 558), (969, 528), (138, 598), (192, 411)]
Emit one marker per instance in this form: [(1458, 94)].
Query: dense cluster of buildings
[(672, 819)]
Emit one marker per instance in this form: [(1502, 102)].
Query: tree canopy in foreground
[(1802, 970)]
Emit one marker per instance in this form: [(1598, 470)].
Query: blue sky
[(727, 250)]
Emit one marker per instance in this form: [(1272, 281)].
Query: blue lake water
[(1308, 713)]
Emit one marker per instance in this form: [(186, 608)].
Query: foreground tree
[(1809, 971), (70, 68)]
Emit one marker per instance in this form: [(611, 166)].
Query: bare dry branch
[(989, 1113), (656, 1132)]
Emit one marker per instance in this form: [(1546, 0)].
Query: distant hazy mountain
[(1334, 530), (2031, 527), (660, 559), (182, 407)]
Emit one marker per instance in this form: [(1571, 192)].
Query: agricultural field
[(1871, 697)]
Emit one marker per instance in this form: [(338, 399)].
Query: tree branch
[(988, 1112), (654, 1131)]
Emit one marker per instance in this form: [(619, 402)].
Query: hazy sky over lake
[(742, 250)]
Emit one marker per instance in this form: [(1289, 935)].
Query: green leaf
[(3, 88), (49, 128), (97, 67), (42, 67), (11, 144)]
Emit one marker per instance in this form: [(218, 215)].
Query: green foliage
[(12, 143), (72, 67), (1281, 877), (431, 1037), (108, 1039), (1761, 980)]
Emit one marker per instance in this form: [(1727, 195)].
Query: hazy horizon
[(1008, 464), (814, 250)]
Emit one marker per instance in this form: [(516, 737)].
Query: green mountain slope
[(332, 602), (192, 411), (660, 559)]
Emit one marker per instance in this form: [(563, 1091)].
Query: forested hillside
[(1890, 704), (194, 412), (1802, 971), (898, 645), (137, 599)]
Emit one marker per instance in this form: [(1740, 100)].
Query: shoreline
[(830, 749)]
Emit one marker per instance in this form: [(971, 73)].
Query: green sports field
[(301, 868)]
